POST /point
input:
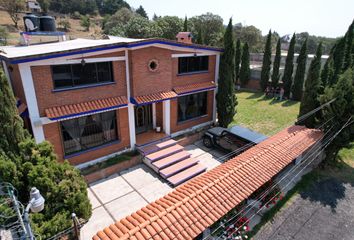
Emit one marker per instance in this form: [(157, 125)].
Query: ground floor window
[(90, 131), (192, 106)]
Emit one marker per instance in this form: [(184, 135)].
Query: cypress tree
[(200, 39), (300, 73), (226, 98), (237, 60), (245, 71), (327, 74), (289, 67), (11, 124), (276, 65), (310, 98), (185, 25), (338, 58), (348, 61), (267, 61)]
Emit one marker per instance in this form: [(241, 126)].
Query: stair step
[(186, 174), (167, 161), (164, 153), (156, 146), (178, 167)]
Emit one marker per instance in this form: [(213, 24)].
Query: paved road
[(323, 212)]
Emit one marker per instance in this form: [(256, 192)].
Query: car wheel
[(208, 142)]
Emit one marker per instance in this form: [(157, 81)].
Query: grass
[(109, 162), (262, 114)]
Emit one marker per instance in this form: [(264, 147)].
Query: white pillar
[(154, 115), (217, 63), (131, 116), (31, 100), (166, 108)]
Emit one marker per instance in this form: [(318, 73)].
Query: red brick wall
[(43, 83), (143, 81), (179, 80), (53, 134), (175, 126), (17, 83)]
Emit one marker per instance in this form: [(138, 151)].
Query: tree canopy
[(245, 71), (289, 68), (276, 65), (300, 73), (141, 11)]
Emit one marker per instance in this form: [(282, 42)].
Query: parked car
[(231, 139)]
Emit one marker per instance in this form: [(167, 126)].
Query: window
[(193, 64), (192, 106), (73, 75), (86, 132)]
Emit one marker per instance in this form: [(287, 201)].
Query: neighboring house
[(94, 98), (33, 6)]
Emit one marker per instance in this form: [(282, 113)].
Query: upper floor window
[(193, 64), (74, 75)]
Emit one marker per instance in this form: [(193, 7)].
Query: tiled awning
[(194, 206), (194, 87), (85, 108), (151, 98)]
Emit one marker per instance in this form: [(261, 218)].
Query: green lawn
[(262, 114)]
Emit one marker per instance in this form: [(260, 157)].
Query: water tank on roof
[(31, 23), (47, 24)]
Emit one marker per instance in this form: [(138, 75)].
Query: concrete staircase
[(171, 161)]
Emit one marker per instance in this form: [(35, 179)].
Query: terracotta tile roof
[(72, 110), (155, 97), (197, 204), (194, 87)]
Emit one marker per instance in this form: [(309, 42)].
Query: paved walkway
[(126, 192)]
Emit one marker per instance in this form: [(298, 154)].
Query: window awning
[(194, 87), (194, 206), (152, 98), (85, 108)]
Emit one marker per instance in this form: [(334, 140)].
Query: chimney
[(185, 37)]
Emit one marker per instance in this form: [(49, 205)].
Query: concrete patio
[(126, 192)]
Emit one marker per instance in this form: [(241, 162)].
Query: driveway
[(323, 212), (126, 192)]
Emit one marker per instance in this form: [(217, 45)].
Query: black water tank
[(31, 23), (47, 24)]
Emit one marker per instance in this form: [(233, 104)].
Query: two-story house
[(95, 98)]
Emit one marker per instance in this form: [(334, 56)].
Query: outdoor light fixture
[(36, 204), (83, 62)]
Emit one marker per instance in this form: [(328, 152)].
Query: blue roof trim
[(198, 90), (88, 112), (44, 33), (126, 45), (133, 101)]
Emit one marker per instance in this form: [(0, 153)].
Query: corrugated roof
[(73, 110), (194, 87), (154, 97), (192, 207)]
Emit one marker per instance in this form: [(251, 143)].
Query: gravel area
[(323, 212)]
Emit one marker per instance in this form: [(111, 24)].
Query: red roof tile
[(155, 97), (194, 87), (72, 110), (197, 204)]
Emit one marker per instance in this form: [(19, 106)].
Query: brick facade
[(52, 134), (16, 82)]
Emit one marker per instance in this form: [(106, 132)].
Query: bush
[(76, 15), (4, 35), (64, 24), (85, 22)]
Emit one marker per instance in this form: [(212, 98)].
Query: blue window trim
[(192, 73), (83, 86), (125, 45), (92, 149), (87, 112)]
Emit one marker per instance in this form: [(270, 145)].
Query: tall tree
[(348, 58), (226, 98), (170, 26), (267, 62), (237, 60), (13, 8), (289, 68), (327, 74), (141, 12), (300, 73), (200, 36), (245, 71), (339, 112), (310, 99), (338, 57), (185, 24), (276, 65)]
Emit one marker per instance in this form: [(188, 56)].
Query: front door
[(143, 118)]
